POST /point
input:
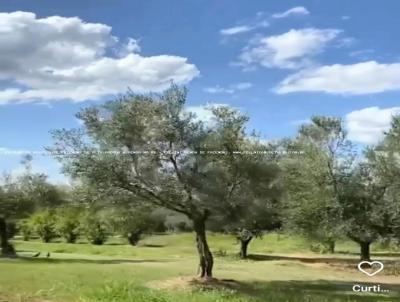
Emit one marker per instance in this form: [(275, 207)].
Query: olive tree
[(150, 147), (313, 179), (370, 195), (255, 190)]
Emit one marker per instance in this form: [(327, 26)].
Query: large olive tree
[(149, 146)]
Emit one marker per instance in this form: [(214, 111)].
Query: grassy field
[(160, 269)]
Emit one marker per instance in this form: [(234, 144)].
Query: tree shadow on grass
[(152, 245), (263, 257), (342, 291), (304, 291), (373, 254), (89, 261), (328, 260)]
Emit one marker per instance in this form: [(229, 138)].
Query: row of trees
[(144, 151), (336, 191), (71, 222), (66, 223), (33, 207)]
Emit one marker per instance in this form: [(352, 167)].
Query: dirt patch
[(191, 283)]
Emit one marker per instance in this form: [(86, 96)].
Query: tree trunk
[(6, 248), (134, 237), (331, 246), (205, 256), (365, 251), (243, 247)]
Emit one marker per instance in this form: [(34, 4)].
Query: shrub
[(26, 229), (158, 218), (67, 224), (94, 228), (133, 223), (178, 223), (320, 247), (43, 224)]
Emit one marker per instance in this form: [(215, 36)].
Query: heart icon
[(377, 264)]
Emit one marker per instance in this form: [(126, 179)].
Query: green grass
[(119, 272)]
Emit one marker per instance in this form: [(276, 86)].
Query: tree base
[(8, 252), (205, 279)]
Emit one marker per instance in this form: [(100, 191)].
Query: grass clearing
[(282, 269)]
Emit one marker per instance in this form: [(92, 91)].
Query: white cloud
[(218, 89), (130, 46), (242, 86), (292, 49), (367, 125), (204, 112), (355, 79), (10, 151), (361, 54), (298, 10), (259, 21), (236, 30), (229, 90), (57, 58)]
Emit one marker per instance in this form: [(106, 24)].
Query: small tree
[(94, 228), (180, 223), (131, 223), (14, 204), (44, 225), (68, 223), (25, 229), (159, 220), (20, 196)]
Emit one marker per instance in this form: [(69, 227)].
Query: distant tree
[(44, 225), (150, 147), (9, 207), (180, 223), (14, 204), (26, 229), (159, 220), (132, 223), (67, 223), (95, 228), (262, 216), (370, 201), (367, 210), (255, 192), (386, 157), (313, 179), (27, 193)]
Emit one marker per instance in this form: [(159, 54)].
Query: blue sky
[(278, 61)]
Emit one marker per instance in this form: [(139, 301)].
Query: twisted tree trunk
[(206, 261), (365, 251), (244, 243), (6, 248)]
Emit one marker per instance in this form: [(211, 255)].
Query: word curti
[(368, 289)]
